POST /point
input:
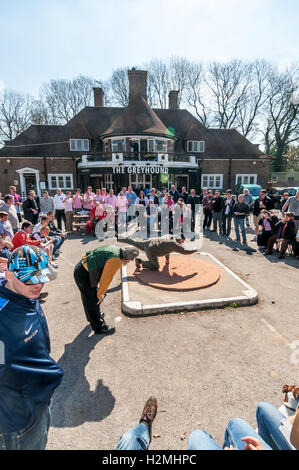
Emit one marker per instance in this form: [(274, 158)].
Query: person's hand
[(251, 443), (62, 235), (100, 300), (231, 447)]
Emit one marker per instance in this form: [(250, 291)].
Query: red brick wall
[(8, 172)]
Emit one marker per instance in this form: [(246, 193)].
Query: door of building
[(180, 181), (30, 182)]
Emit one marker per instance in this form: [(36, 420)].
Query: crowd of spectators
[(31, 220)]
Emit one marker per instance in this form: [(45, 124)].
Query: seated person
[(46, 241), (4, 256), (55, 232), (286, 233), (267, 222), (5, 225), (43, 223), (96, 213)]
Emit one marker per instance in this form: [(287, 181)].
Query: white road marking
[(271, 328)]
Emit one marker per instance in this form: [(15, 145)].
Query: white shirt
[(59, 201)]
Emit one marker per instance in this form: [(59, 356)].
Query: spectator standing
[(88, 199), (283, 200), (47, 203), (29, 376), (142, 200), (131, 196), (227, 213), (111, 199), (174, 193), (69, 211), (77, 201), (122, 207), (9, 207), (184, 195), (249, 201), (5, 226), (203, 194), (240, 210), (217, 209), (153, 197), (293, 206), (207, 208), (59, 201), (17, 201), (193, 201)]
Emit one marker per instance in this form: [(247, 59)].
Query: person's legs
[(229, 225), (152, 262), (58, 241), (268, 421), (219, 217), (271, 242), (137, 438), (284, 247), (58, 217), (88, 296), (238, 428), (243, 230), (201, 440), (237, 223), (33, 438)]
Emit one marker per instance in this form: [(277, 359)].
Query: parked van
[(254, 190)]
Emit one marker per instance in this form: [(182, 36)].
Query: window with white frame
[(79, 145), (109, 181), (246, 179), (118, 145), (195, 146), (62, 181), (212, 181), (160, 146)]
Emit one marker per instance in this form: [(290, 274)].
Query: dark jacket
[(184, 196), (53, 229), (175, 194), (268, 203), (28, 375), (193, 200), (231, 205), (217, 204), (241, 207), (27, 205), (286, 230)]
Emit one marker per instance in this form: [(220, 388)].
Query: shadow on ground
[(73, 402)]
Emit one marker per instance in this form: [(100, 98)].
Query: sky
[(42, 40)]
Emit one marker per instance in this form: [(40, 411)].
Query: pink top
[(122, 204), (77, 202), (88, 200), (111, 201), (68, 204)]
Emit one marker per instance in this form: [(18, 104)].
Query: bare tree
[(65, 98), (196, 93), (160, 83), (119, 87), (282, 112), (15, 114)]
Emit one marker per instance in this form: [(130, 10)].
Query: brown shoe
[(149, 413)]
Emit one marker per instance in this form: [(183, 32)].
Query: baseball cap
[(31, 265)]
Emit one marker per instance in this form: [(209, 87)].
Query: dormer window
[(195, 146), (79, 145)]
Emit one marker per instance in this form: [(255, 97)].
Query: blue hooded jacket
[(28, 375)]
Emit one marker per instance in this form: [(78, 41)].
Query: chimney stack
[(173, 99), (98, 94), (137, 84)]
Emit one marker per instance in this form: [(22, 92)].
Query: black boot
[(103, 328)]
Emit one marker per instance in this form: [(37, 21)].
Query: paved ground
[(204, 367)]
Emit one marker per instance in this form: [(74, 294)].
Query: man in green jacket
[(155, 247), (93, 275)]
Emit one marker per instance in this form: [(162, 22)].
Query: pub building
[(136, 146)]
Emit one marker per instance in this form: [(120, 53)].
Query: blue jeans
[(240, 224), (137, 438), (268, 421), (236, 429), (58, 241), (33, 438)]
